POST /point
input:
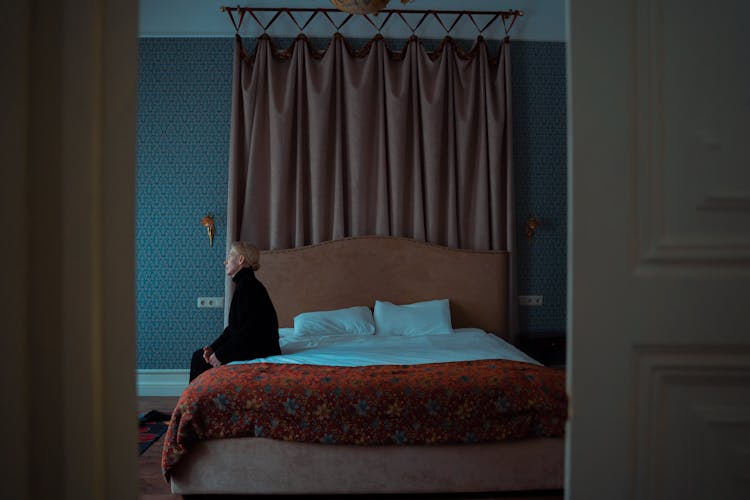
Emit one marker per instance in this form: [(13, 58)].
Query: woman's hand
[(207, 352), (214, 361)]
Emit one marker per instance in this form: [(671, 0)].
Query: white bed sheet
[(465, 344)]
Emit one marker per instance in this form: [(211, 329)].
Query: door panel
[(659, 249)]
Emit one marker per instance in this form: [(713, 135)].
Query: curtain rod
[(503, 15)]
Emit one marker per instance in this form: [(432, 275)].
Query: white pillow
[(286, 332), (350, 321), (421, 318)]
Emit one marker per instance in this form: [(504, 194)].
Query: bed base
[(266, 466)]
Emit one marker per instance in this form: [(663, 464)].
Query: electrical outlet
[(204, 302), (530, 300)]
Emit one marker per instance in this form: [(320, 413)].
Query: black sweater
[(253, 329)]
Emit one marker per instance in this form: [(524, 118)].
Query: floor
[(151, 483), (153, 487)]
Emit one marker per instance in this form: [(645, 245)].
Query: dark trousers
[(198, 365)]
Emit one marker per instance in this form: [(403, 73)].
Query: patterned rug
[(151, 426)]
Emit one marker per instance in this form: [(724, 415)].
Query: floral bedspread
[(440, 403)]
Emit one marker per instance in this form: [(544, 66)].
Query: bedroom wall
[(184, 91)]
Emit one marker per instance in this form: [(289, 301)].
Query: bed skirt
[(267, 466)]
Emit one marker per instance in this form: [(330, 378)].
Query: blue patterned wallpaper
[(184, 98), (540, 154)]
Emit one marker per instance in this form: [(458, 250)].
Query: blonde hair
[(250, 252)]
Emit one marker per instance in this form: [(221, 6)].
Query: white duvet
[(465, 344)]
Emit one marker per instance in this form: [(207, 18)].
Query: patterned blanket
[(440, 403)]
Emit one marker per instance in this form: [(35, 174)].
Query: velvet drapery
[(342, 142)]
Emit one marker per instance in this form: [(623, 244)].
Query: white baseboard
[(161, 382)]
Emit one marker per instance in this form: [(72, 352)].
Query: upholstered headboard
[(357, 271)]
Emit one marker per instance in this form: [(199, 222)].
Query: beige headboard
[(357, 271)]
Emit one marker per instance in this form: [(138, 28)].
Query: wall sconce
[(208, 222), (531, 225)]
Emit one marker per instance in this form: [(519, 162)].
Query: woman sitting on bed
[(253, 329)]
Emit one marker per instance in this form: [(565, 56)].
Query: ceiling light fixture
[(362, 6)]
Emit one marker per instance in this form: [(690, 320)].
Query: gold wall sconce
[(532, 224), (210, 225)]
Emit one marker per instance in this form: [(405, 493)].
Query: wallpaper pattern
[(184, 97), (540, 154)]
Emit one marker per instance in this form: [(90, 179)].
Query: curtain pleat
[(343, 142)]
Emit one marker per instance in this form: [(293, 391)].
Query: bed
[(222, 439)]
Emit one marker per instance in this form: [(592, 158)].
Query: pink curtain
[(344, 142)]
